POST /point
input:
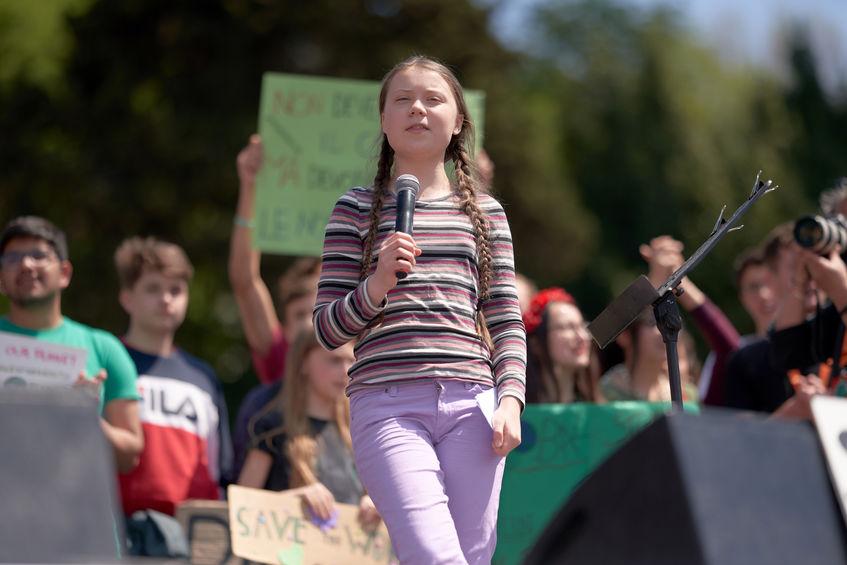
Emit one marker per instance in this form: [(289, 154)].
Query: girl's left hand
[(507, 426), (368, 517)]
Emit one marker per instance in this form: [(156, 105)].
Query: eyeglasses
[(14, 258)]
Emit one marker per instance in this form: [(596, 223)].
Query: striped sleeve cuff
[(369, 309), (512, 386)]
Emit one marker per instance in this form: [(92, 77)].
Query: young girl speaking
[(429, 344)]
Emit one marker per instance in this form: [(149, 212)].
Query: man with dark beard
[(34, 270)]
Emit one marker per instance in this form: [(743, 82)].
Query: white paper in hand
[(487, 401), (26, 361), (830, 413)]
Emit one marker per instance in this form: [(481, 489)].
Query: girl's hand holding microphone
[(397, 254)]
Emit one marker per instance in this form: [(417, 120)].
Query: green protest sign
[(561, 445), (320, 137)]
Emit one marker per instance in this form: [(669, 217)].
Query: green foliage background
[(124, 118)]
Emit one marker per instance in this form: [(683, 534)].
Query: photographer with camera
[(756, 379), (798, 342), (811, 349)]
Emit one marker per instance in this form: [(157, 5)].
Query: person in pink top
[(268, 335)]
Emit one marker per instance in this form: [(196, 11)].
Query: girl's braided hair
[(466, 182)]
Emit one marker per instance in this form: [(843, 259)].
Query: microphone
[(406, 187)]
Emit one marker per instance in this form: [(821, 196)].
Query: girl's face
[(326, 371), (567, 338), (420, 115)]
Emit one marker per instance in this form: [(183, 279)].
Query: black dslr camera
[(821, 234)]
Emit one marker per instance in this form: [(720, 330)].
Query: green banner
[(320, 137), (561, 445)]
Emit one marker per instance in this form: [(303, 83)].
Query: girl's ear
[(460, 119), (124, 300)]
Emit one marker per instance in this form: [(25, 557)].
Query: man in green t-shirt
[(34, 269)]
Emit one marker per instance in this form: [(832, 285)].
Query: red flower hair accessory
[(532, 317)]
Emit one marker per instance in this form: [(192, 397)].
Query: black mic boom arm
[(638, 295)]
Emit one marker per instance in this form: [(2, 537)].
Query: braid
[(485, 263), (383, 173)]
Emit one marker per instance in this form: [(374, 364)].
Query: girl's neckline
[(427, 200), (436, 199)]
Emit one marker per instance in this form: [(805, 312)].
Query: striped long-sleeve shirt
[(428, 329)]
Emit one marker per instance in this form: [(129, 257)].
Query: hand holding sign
[(26, 361), (319, 500), (91, 386), (249, 162)]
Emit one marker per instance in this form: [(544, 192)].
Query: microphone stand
[(621, 312)]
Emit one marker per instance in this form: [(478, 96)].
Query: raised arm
[(664, 256), (255, 304)]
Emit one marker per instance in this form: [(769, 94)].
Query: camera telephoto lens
[(821, 234)]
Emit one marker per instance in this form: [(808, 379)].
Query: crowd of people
[(165, 416)]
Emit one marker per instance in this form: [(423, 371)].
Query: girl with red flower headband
[(561, 366)]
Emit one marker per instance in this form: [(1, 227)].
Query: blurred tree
[(35, 40), (156, 98), (819, 120), (658, 135), (618, 126)]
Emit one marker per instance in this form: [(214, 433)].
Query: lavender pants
[(423, 451)]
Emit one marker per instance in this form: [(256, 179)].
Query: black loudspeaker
[(710, 489), (57, 480)]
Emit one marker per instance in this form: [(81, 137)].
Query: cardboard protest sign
[(321, 137), (206, 527), (272, 527), (26, 361)]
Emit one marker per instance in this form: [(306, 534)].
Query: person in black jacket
[(760, 378)]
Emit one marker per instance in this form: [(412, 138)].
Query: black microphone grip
[(407, 187)]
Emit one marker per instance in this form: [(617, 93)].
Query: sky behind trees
[(749, 32)]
